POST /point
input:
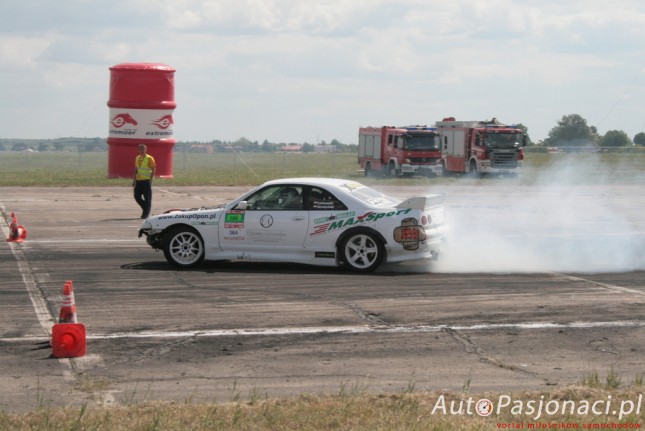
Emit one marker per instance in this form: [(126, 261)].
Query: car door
[(272, 225), (326, 214)]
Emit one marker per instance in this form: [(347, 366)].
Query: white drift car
[(318, 221)]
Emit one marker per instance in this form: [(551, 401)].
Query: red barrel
[(142, 101)]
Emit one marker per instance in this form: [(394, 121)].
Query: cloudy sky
[(310, 71)]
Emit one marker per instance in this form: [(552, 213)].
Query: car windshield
[(422, 142), (503, 140)]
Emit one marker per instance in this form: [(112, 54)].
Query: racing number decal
[(234, 220)]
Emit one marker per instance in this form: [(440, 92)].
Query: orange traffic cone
[(68, 309), (18, 233), (68, 340), (68, 336)]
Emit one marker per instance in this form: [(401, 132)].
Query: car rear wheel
[(362, 252), (184, 247)]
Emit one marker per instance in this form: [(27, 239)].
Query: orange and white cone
[(68, 309), (18, 233), (68, 336)]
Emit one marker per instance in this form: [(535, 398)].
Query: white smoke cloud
[(571, 219)]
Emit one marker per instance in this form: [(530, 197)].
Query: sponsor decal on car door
[(264, 231)]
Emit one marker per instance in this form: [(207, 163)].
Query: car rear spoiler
[(421, 202)]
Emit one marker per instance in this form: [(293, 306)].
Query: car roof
[(312, 181)]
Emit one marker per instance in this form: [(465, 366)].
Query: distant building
[(294, 148), (324, 148), (201, 148)]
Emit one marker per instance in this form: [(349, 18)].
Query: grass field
[(70, 169), (189, 169)]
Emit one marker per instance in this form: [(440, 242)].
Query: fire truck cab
[(481, 147), (399, 151)]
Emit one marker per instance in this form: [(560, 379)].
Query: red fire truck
[(398, 151), (480, 147)]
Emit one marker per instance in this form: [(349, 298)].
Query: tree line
[(100, 145), (571, 131)]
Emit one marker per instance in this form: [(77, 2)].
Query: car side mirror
[(242, 205)]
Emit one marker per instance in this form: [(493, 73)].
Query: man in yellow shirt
[(144, 172)]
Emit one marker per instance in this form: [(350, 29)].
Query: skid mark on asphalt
[(598, 284), (362, 313)]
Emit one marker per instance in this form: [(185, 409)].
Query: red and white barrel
[(142, 101)]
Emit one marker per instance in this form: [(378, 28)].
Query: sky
[(295, 71)]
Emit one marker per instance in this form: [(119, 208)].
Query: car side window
[(282, 197), (290, 198), (320, 200)]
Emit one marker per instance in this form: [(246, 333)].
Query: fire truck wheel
[(368, 170), (391, 170), (473, 168), (362, 251)]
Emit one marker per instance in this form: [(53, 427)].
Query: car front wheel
[(184, 247), (362, 252)]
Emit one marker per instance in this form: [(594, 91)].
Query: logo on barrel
[(123, 119), (164, 122)]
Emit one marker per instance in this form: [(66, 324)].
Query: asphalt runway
[(537, 288)]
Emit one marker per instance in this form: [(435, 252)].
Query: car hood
[(188, 215)]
